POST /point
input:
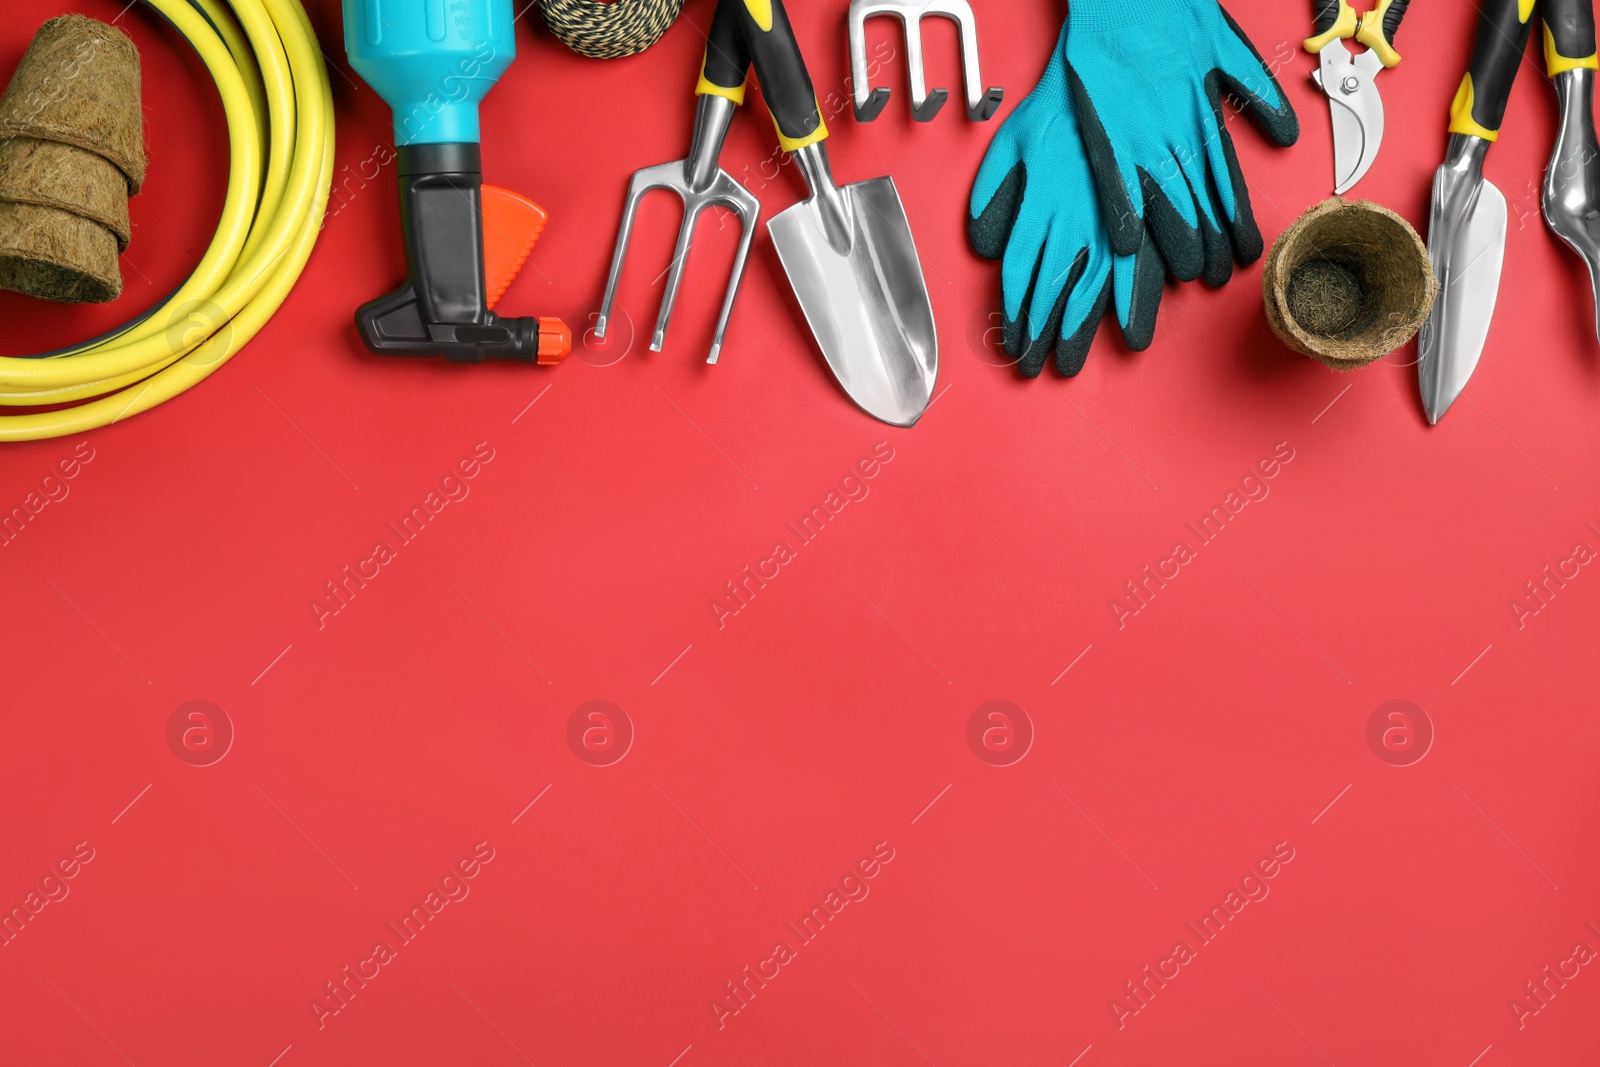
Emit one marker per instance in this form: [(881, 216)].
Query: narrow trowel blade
[(1467, 259), (867, 304)]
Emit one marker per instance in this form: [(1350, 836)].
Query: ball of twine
[(609, 30), (1349, 282)]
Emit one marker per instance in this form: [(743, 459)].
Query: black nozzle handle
[(442, 309)]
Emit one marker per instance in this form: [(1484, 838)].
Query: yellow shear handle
[(1371, 34), (1367, 28), (1344, 27)]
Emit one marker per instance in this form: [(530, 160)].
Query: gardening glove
[(1034, 207), (1147, 78)]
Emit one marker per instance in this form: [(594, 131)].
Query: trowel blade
[(867, 305), (1467, 259)]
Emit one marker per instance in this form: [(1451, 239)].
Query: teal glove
[(1034, 207), (1147, 80)]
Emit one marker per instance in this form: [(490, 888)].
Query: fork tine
[(924, 104), (644, 181), (929, 107), (982, 101), (624, 234), (867, 100), (874, 106), (680, 259), (749, 211)]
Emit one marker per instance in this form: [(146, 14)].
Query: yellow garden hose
[(264, 57)]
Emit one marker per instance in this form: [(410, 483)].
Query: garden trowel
[(847, 249), (1467, 222), (1571, 197)]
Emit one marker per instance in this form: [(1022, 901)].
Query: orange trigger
[(511, 227)]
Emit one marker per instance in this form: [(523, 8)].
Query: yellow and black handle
[(1379, 26), (1569, 36), (1332, 20), (1336, 19), (726, 69), (785, 84), (1502, 37)]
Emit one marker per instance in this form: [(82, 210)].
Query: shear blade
[(1355, 108), (1357, 134)]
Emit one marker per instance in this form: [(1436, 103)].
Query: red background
[(770, 755)]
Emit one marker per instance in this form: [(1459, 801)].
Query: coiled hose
[(269, 70), (609, 31)]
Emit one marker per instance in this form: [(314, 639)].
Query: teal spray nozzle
[(433, 62)]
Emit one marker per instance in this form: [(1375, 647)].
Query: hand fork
[(981, 103), (698, 180)]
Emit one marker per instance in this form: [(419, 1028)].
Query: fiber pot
[(1349, 282), (78, 84), (71, 152), (53, 254)]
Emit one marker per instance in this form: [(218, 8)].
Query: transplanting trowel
[(1572, 182), (848, 249), (1467, 223)]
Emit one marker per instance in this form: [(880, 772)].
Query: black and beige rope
[(609, 31)]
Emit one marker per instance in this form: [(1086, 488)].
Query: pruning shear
[(1349, 81)]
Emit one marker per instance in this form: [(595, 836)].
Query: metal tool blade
[(1355, 144), (1356, 110), (1466, 242), (1571, 196), (850, 257)]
